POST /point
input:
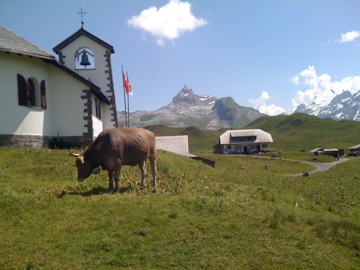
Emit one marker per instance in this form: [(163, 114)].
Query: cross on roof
[(82, 17)]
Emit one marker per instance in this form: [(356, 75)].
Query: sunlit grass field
[(238, 215)]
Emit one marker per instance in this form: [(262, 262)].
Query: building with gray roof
[(45, 100), (244, 141)]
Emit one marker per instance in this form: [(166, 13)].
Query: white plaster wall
[(17, 119), (65, 107), (64, 100), (175, 144), (266, 149), (97, 75), (106, 112), (98, 126)]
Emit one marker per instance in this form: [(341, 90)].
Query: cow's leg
[(117, 178), (111, 180), (153, 169), (142, 166)]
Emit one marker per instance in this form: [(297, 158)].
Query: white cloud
[(260, 104), (167, 22), (349, 36), (295, 79), (321, 87)]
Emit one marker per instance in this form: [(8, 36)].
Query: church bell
[(84, 60)]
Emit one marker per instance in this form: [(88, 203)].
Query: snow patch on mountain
[(344, 105), (325, 97), (202, 111)]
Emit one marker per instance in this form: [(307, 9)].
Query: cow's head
[(84, 167)]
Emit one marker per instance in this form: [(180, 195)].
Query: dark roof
[(355, 147), (77, 34), (13, 43), (95, 89)]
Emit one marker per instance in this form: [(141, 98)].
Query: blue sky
[(270, 55)]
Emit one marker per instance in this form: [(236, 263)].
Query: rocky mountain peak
[(186, 97), (186, 90), (339, 106), (201, 111)]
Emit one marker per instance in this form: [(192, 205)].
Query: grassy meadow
[(301, 131), (290, 133), (238, 215)]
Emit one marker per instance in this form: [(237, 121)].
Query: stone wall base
[(31, 141)]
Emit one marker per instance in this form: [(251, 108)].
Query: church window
[(84, 59), (22, 90), (97, 108), (43, 94), (31, 97), (29, 93)]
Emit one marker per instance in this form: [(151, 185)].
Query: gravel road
[(320, 167)]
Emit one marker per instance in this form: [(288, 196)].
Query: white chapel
[(46, 100)]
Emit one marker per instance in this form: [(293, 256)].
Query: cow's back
[(128, 144)]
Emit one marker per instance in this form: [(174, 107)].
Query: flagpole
[(128, 107), (128, 100), (122, 70)]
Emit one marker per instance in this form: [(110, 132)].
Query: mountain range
[(208, 112), (190, 109), (345, 105)]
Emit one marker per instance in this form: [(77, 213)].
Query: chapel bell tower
[(90, 57)]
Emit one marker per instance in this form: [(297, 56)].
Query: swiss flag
[(126, 84), (129, 89)]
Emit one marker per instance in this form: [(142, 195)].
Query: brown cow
[(115, 147)]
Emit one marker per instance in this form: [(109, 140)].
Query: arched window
[(43, 94), (22, 90), (97, 108), (84, 59), (29, 93)]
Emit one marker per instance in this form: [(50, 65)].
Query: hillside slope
[(303, 131), (290, 132), (299, 131)]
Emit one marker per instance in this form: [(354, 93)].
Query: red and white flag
[(129, 89), (126, 84)]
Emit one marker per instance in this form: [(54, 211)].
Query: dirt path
[(320, 167)]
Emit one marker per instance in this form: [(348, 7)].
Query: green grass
[(305, 132), (290, 133), (238, 215), (298, 155)]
